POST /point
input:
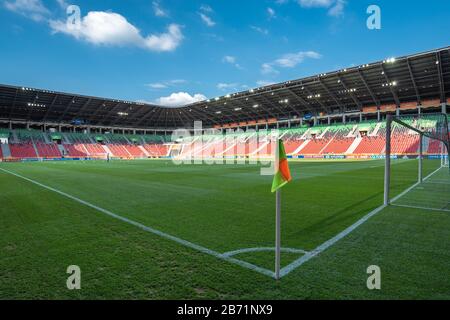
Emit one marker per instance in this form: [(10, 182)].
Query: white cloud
[(289, 60), (263, 83), (231, 60), (168, 41), (316, 3), (165, 84), (335, 7), (177, 81), (271, 13), (156, 85), (62, 3), (109, 28), (158, 10), (338, 9), (178, 99), (33, 9), (227, 86), (207, 20), (267, 68), (260, 30), (206, 8)]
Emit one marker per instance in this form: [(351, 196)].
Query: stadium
[(152, 201)]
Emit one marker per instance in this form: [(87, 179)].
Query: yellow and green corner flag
[(283, 175)]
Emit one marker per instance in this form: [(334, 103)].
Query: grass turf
[(223, 208)]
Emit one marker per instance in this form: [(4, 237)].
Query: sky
[(175, 52)]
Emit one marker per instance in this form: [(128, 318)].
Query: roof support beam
[(386, 77), (31, 107), (273, 105), (13, 105), (441, 77), (149, 116), (84, 107), (374, 98), (331, 94), (411, 74), (320, 102), (66, 109), (111, 113), (354, 98), (50, 108), (305, 104)]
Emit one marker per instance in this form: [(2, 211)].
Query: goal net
[(417, 171)]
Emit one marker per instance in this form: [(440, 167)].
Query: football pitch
[(156, 230)]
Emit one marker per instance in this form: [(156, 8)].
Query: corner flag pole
[(278, 235), (277, 219)]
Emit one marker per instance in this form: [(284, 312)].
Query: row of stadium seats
[(22, 150), (48, 150)]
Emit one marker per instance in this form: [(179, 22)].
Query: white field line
[(297, 263), (149, 229), (418, 207)]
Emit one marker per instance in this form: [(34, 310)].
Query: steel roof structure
[(412, 78)]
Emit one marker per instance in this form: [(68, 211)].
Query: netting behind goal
[(417, 172)]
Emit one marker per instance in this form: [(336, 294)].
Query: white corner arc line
[(149, 229), (297, 263), (259, 249)]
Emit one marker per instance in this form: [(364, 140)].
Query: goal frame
[(387, 172)]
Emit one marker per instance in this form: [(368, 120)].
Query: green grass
[(222, 208)]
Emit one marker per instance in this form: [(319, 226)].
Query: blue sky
[(178, 51)]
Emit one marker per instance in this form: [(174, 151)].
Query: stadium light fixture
[(390, 60), (39, 105), (237, 109)]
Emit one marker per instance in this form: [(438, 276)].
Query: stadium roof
[(413, 78)]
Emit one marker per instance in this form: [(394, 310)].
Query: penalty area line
[(422, 208), (141, 226)]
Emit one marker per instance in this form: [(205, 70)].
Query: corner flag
[(283, 174)]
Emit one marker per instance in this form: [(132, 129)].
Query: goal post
[(416, 153)]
